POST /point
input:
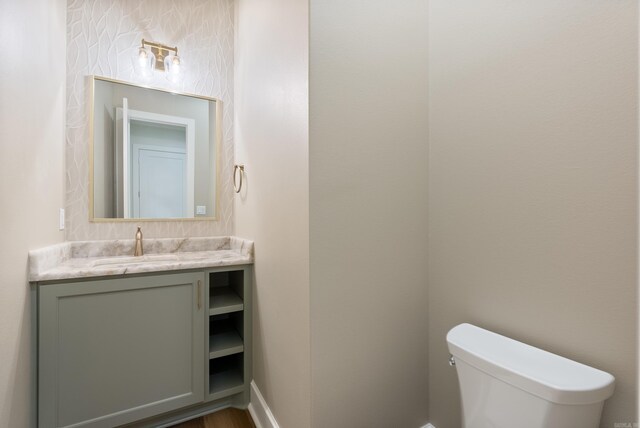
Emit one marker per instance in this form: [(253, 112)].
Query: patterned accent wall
[(102, 37)]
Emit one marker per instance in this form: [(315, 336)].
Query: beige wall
[(32, 105), (102, 38), (532, 184), (368, 204), (271, 133)]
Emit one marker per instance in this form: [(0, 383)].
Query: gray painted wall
[(532, 184), (368, 209)]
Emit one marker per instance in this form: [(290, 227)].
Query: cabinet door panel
[(115, 351)]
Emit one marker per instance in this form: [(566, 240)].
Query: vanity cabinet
[(117, 350), (148, 341), (143, 350)]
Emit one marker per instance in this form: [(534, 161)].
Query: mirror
[(153, 153)]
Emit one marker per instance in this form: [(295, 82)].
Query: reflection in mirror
[(154, 153)]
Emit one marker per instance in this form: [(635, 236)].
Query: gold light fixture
[(156, 56)]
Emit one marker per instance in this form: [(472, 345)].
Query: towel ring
[(237, 186)]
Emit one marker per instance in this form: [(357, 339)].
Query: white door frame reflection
[(127, 150)]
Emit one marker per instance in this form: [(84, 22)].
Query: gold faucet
[(138, 250)]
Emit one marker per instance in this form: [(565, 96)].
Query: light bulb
[(175, 65), (144, 61), (172, 65), (143, 58)]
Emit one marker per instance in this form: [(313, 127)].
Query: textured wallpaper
[(102, 37)]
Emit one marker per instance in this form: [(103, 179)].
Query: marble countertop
[(86, 259)]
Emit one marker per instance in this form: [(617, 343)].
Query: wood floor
[(227, 418)]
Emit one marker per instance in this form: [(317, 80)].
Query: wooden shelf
[(225, 343), (225, 383), (224, 300)]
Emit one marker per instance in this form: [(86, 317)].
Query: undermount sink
[(132, 260)]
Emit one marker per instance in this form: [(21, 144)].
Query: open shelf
[(225, 343), (224, 384), (226, 376), (223, 300)]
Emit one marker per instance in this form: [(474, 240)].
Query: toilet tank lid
[(549, 376)]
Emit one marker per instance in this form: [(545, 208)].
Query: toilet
[(505, 384)]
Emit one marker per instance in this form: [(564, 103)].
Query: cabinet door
[(115, 351)]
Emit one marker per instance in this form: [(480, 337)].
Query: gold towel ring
[(237, 187)]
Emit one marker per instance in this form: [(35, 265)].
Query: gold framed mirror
[(154, 154)]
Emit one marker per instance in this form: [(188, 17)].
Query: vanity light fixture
[(156, 56)]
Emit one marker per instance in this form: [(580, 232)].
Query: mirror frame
[(217, 149)]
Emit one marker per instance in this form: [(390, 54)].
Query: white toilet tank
[(505, 384)]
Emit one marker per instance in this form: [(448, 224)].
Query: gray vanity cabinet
[(119, 350)]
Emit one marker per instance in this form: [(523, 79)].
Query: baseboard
[(260, 412)]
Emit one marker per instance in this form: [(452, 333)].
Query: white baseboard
[(260, 412)]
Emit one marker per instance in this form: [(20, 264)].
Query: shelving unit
[(228, 351)]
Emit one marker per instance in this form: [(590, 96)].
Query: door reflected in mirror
[(154, 153)]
